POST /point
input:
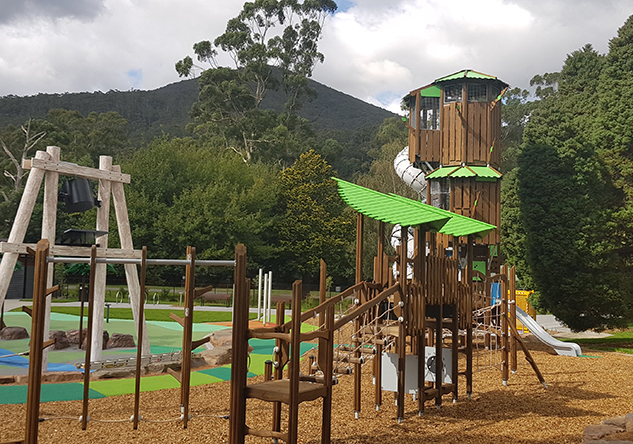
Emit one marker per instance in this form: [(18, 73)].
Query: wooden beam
[(175, 374), (178, 319), (199, 342), (71, 169), (27, 310), (66, 250), (200, 291)]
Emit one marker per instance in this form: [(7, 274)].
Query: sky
[(375, 50)]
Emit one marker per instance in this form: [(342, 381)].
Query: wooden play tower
[(454, 135)]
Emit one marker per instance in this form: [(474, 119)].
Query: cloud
[(374, 50), (24, 10)]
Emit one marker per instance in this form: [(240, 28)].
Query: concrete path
[(560, 330)]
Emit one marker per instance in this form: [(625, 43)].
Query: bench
[(287, 298), (215, 297)]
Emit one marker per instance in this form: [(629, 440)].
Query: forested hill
[(166, 109)]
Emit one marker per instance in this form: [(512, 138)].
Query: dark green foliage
[(314, 223), (567, 202)]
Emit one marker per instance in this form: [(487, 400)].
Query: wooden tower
[(454, 135)]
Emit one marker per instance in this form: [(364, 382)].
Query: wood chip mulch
[(582, 391)]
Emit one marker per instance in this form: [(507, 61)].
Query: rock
[(120, 340), (106, 338), (21, 379), (61, 341), (7, 379), (629, 422), (73, 336), (598, 431), (114, 373), (217, 356), (61, 376), (13, 333), (619, 421), (219, 349)]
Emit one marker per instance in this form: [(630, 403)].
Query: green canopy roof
[(482, 173), (395, 209), (469, 74), (431, 91)]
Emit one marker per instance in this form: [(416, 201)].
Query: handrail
[(366, 306), (321, 307)]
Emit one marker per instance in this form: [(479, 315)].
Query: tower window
[(430, 113), (452, 93), (477, 93)]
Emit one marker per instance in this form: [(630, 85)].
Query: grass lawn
[(621, 341), (154, 314)]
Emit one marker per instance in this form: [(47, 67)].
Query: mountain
[(166, 109)]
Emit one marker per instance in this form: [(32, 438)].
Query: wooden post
[(359, 278), (381, 252), (421, 351), (187, 337), (326, 423), (21, 223), (359, 247), (438, 356), (139, 338), (49, 224), (81, 312), (131, 273), (469, 316), (513, 319), (402, 332), (240, 349), (91, 305), (37, 340), (103, 224), (322, 289), (455, 350), (505, 357), (282, 346), (293, 407)]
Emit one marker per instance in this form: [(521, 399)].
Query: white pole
[(259, 295), (233, 304), (21, 222), (265, 296), (270, 291), (49, 223), (104, 194)]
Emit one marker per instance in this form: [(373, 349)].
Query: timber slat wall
[(442, 287), (464, 193)]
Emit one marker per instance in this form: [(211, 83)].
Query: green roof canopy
[(469, 74), (482, 173), (395, 209), (431, 91)]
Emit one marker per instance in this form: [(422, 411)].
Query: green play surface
[(164, 337)]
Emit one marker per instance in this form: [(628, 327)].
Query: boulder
[(61, 341), (598, 431), (120, 340), (73, 336), (218, 351), (106, 338), (13, 333), (629, 422)]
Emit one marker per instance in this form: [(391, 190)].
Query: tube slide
[(412, 176), (562, 348)]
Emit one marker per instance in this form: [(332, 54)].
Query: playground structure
[(413, 326)]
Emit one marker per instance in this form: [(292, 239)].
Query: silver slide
[(562, 348)]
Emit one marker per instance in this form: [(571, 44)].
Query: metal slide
[(562, 348)]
